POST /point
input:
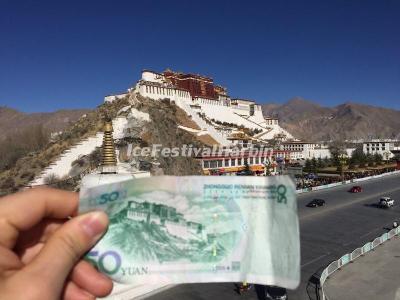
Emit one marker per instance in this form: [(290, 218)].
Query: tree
[(337, 150), (313, 165), (396, 157), (21, 143), (370, 159), (339, 168), (308, 165), (358, 157), (268, 167), (378, 158), (320, 163), (274, 143)]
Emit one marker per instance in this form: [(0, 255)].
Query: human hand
[(41, 250)]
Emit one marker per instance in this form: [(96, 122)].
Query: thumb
[(67, 245)]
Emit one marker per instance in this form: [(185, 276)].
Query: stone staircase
[(62, 166), (202, 124)]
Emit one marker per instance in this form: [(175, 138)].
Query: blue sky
[(70, 54)]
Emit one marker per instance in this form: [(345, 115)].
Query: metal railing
[(349, 257)]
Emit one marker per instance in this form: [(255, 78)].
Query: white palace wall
[(151, 76), (220, 110), (112, 98), (160, 92), (213, 109)]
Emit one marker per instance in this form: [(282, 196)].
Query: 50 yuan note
[(198, 229)]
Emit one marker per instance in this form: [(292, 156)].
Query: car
[(356, 189), (386, 202), (316, 203), (276, 293), (245, 173)]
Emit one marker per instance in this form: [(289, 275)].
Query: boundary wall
[(331, 185)]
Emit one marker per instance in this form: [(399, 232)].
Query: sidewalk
[(373, 276)]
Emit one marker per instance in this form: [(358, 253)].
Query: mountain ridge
[(308, 120), (13, 121)]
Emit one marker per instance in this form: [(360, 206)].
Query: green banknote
[(198, 229)]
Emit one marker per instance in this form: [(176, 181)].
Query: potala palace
[(208, 104), (224, 120)]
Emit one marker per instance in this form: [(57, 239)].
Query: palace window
[(213, 163), (251, 160), (233, 162), (226, 162), (219, 163), (206, 164)]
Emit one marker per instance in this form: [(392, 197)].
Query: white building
[(382, 147), (270, 121), (296, 155), (298, 146), (306, 150), (111, 98)]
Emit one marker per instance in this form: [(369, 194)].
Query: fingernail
[(95, 224)]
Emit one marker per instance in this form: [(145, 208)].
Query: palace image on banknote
[(159, 232), (167, 217)]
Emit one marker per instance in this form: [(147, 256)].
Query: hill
[(309, 121), (162, 128), (13, 121)]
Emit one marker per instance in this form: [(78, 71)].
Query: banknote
[(192, 229)]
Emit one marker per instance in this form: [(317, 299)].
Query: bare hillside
[(13, 121), (310, 121)]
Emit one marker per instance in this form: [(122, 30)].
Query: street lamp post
[(342, 159)]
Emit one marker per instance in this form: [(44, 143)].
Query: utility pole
[(342, 162)]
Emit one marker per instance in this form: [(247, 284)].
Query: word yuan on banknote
[(198, 229)]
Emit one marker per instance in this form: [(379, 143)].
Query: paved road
[(372, 276), (346, 222)]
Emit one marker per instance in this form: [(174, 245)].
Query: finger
[(65, 248), (74, 292), (28, 254), (9, 261), (22, 210), (89, 279), (40, 233)]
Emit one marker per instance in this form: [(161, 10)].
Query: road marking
[(314, 260)]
